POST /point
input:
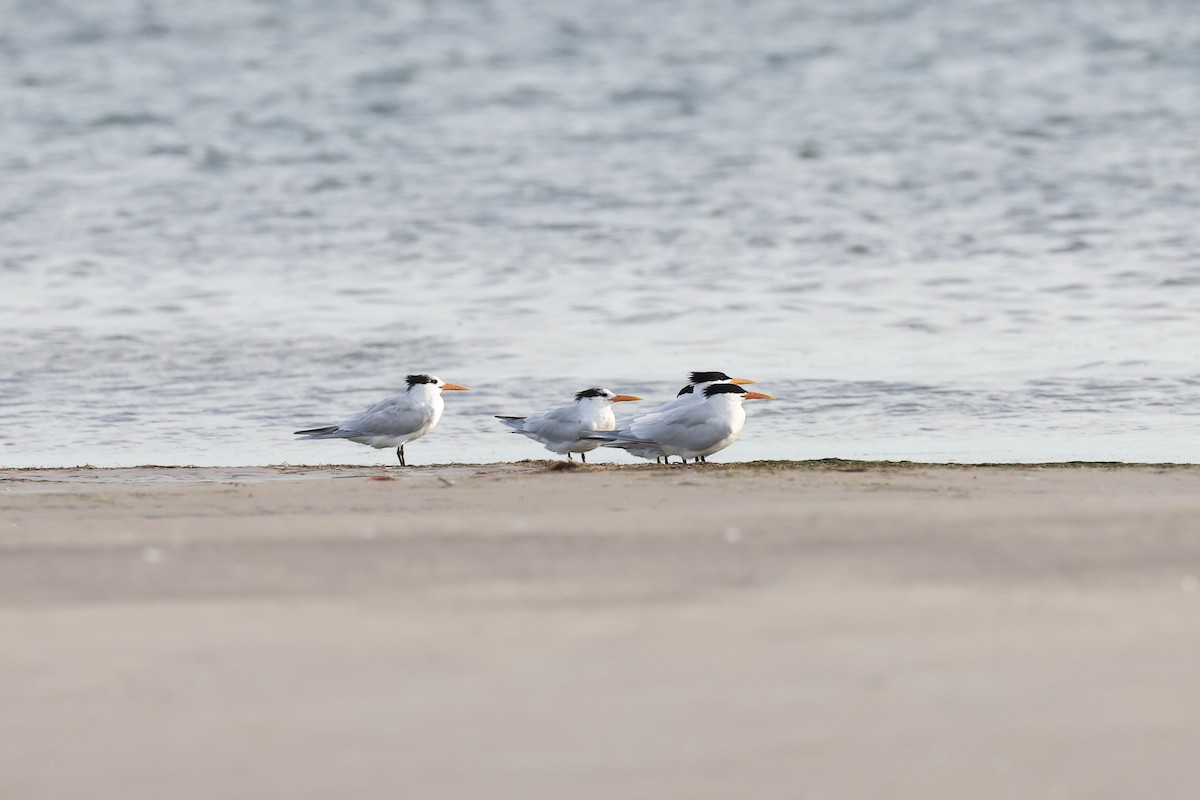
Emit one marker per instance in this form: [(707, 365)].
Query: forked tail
[(317, 433)]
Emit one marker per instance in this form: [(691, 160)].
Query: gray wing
[(395, 416), (557, 425), (691, 428), (327, 432), (641, 428), (626, 441), (639, 450), (612, 436), (686, 427)]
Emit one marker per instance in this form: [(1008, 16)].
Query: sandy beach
[(770, 631)]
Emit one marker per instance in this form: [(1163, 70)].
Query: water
[(945, 230)]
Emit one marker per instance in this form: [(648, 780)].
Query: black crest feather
[(595, 391), (723, 388), (686, 390), (708, 377), (413, 380)]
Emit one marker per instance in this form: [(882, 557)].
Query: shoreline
[(16, 480), (550, 463)]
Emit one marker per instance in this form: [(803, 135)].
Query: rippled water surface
[(952, 230)]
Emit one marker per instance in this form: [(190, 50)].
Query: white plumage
[(698, 382), (396, 421), (690, 430), (562, 429)]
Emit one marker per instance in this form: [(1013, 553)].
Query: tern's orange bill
[(741, 381), (454, 387), (625, 398), (757, 396)]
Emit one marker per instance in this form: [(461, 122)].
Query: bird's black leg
[(570, 457), (583, 457), (702, 459), (400, 455)]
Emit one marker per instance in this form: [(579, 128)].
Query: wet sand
[(512, 632)]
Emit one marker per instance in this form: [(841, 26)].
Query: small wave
[(130, 119), (388, 76), (684, 101)]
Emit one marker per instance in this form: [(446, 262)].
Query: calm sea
[(950, 230)]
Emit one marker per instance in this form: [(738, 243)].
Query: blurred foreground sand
[(506, 632)]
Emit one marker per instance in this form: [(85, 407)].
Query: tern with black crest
[(692, 393), (691, 430), (396, 421), (562, 429)]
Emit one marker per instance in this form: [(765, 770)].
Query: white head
[(598, 395), (431, 383), (731, 392), (699, 381)]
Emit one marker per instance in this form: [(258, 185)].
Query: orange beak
[(741, 381), (757, 396), (625, 398), (454, 387)]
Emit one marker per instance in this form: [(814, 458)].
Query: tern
[(396, 421), (562, 429), (693, 393), (693, 430)]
